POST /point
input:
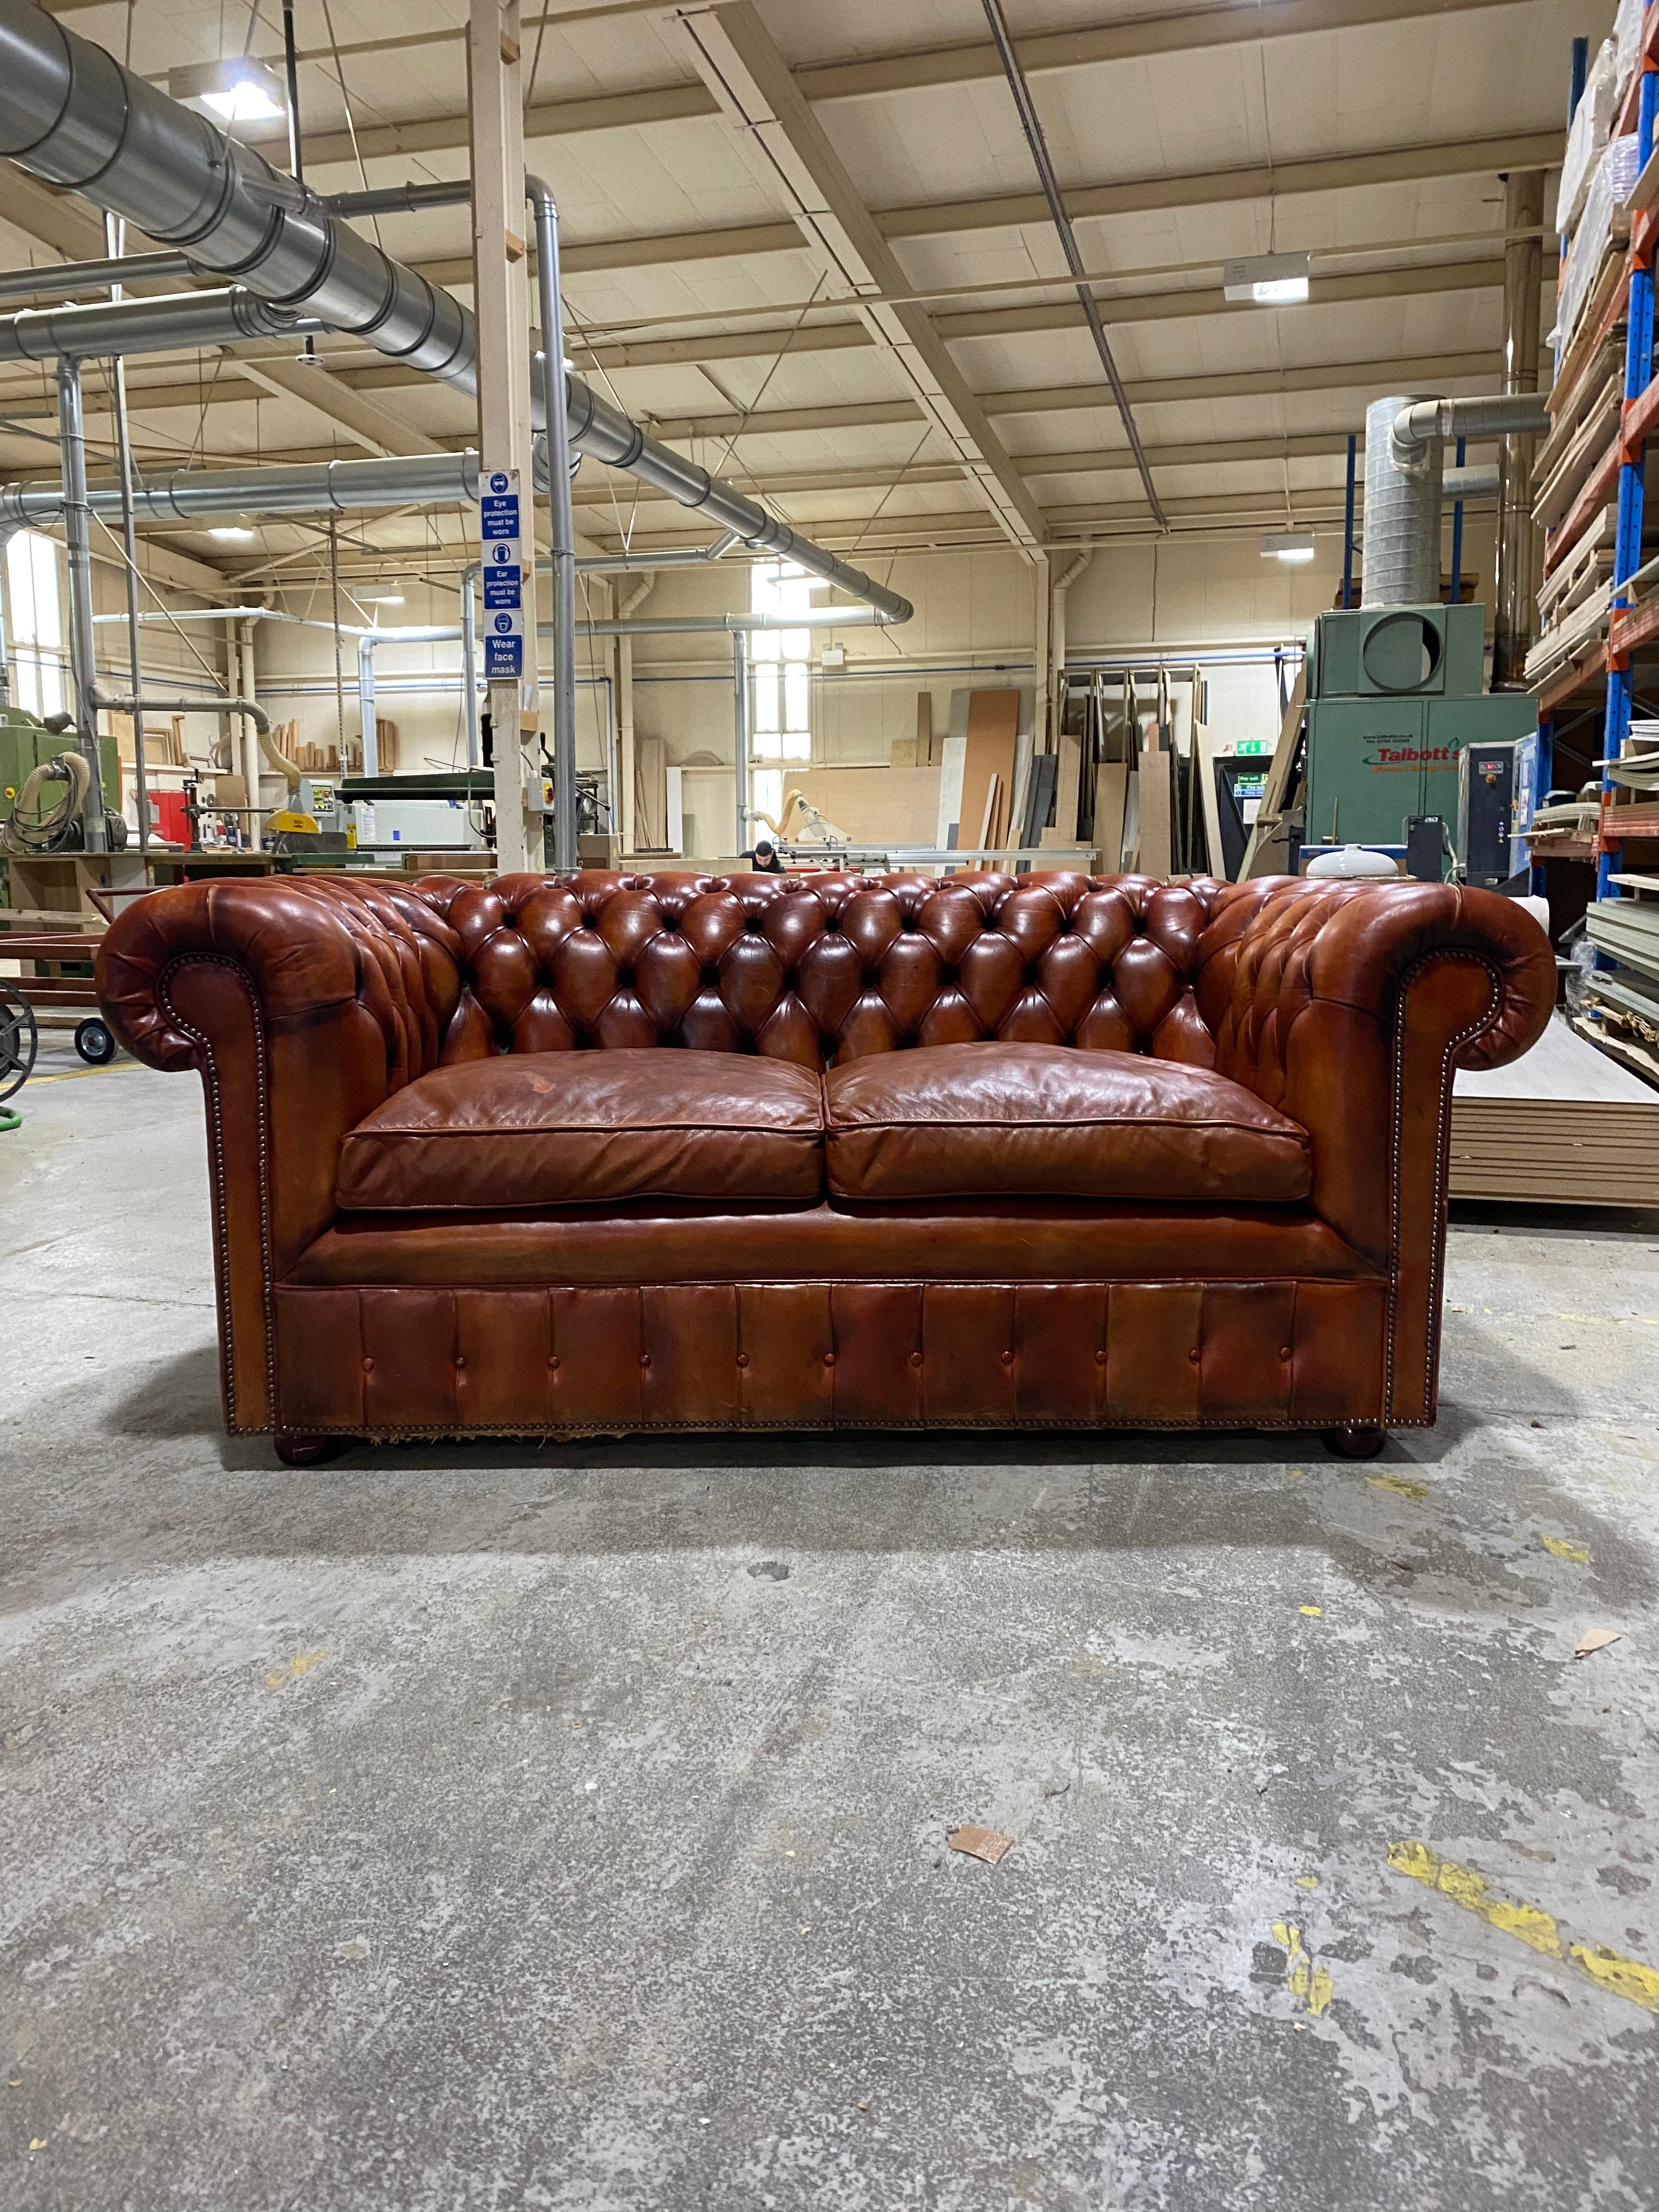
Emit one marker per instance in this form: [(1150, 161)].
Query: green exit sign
[(1247, 746)]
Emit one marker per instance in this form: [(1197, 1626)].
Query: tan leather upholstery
[(954, 1121), (534, 1129), (307, 1003)]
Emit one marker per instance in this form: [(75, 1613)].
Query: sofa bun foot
[(309, 1452), (1356, 1440)]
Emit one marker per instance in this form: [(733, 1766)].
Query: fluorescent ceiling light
[(237, 89), (232, 531), (1287, 545), (1267, 280), (383, 598)]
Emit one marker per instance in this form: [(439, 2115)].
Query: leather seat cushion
[(551, 1128), (962, 1120)]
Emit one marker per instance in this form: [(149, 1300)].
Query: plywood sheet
[(874, 805), (1155, 856), (992, 734), (1111, 800)]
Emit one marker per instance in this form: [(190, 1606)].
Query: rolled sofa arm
[(304, 1002), (1350, 1006)]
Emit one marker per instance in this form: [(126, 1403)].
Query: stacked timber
[(1564, 1125)]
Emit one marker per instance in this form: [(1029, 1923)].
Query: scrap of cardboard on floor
[(1595, 1639), (981, 1843)]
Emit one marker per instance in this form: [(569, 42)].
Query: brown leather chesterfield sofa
[(1036, 1151)]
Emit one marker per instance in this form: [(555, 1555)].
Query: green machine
[(26, 744), (1393, 695)]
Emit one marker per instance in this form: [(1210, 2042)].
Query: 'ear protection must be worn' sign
[(503, 574)]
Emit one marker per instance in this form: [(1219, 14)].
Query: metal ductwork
[(300, 488), (1420, 423), (1404, 483), (71, 114), (175, 322), (605, 432)]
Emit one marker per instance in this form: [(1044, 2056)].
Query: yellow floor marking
[(296, 1667), (1563, 1550), (1398, 1484), (1624, 1977), (1315, 1610), (1307, 1881), (75, 1074), (1303, 1978)]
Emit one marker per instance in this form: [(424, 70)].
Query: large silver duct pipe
[(1401, 546), (71, 114), (1405, 438), (1419, 422), (604, 431), (174, 322)]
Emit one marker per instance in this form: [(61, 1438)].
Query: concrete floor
[(566, 1828)]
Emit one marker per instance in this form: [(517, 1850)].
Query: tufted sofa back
[(818, 968)]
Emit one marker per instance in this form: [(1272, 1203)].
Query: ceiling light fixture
[(383, 598), (1267, 280), (232, 533), (236, 89), (1296, 545)]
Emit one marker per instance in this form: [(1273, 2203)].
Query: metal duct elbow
[(174, 323), (71, 114), (1420, 423)]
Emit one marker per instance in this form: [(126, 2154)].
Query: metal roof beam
[(735, 55)]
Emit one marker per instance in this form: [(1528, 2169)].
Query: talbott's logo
[(1405, 755)]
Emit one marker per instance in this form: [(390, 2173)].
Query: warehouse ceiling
[(806, 243)]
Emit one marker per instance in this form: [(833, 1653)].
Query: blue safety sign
[(499, 516)]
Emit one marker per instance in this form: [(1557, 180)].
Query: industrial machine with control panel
[(1395, 694)]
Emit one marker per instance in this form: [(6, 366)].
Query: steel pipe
[(561, 534), (299, 488), (604, 431), (102, 329), (90, 275)]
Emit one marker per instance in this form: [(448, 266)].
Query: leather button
[(552, 1358), (369, 1367), (1193, 1355), (1284, 1350), (460, 1360), (1007, 1358), (916, 1359), (828, 1358), (645, 1359), (1100, 1360), (743, 1360)]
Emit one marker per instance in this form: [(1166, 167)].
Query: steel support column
[(503, 372), (72, 441)]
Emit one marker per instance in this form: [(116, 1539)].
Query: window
[(781, 681), (37, 625)]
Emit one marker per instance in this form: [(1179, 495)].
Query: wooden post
[(501, 294)]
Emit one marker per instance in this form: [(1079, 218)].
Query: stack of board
[(1562, 1125)]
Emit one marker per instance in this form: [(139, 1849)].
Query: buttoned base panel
[(383, 1361)]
